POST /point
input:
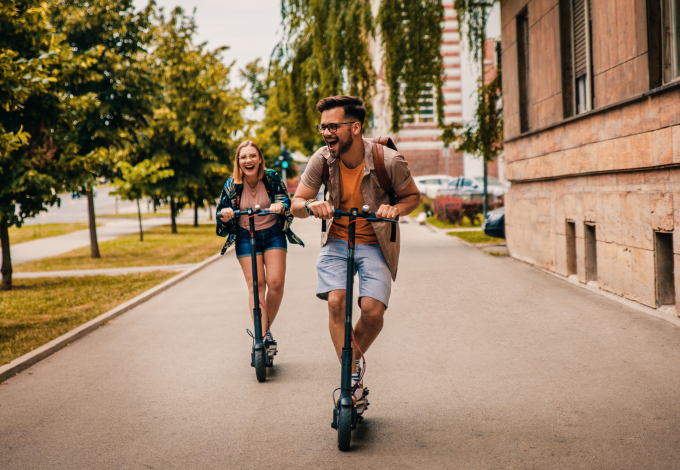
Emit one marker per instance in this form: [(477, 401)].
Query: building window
[(582, 55), (670, 48), (663, 29), (427, 112), (523, 69)]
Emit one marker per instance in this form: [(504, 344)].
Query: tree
[(116, 36), (196, 117), (324, 52), (484, 136), (133, 182), (36, 118), (412, 37), (271, 89)]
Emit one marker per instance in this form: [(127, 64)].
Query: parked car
[(494, 223), (476, 185), (430, 185)]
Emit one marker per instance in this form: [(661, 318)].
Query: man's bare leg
[(336, 322), (369, 325), (367, 328)]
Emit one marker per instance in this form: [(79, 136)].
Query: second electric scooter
[(260, 358), (346, 412)]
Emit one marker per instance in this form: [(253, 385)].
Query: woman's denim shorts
[(271, 238)]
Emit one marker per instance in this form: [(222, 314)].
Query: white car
[(475, 185), (429, 185)]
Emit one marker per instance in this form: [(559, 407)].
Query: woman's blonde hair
[(238, 174)]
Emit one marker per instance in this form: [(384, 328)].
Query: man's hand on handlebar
[(387, 212), (226, 214), (321, 209)]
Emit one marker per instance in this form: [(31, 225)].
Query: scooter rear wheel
[(344, 427), (260, 358)]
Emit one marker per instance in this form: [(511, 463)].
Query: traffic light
[(284, 161)]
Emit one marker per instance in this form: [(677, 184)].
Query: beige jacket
[(374, 196)]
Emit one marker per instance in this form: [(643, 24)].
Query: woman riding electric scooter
[(252, 185)]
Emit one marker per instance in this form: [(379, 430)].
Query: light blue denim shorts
[(375, 279)]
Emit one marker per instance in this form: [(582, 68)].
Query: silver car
[(474, 185)]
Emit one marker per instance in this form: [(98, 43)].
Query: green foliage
[(35, 116), (271, 88), (115, 38), (411, 37), (484, 136), (194, 119), (474, 14), (134, 181), (324, 53)]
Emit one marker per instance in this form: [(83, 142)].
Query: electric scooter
[(347, 413), (260, 357)]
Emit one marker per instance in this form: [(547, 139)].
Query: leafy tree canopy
[(411, 35), (197, 117)]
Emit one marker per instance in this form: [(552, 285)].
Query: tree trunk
[(6, 258), (209, 212), (485, 206), (195, 214), (139, 216), (94, 246), (172, 215)]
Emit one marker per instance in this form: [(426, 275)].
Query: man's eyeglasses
[(332, 127)]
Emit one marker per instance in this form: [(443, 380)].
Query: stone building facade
[(592, 143), (420, 139)]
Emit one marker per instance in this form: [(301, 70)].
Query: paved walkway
[(54, 246), (104, 272), (483, 362)]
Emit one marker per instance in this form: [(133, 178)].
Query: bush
[(448, 208), (471, 209)]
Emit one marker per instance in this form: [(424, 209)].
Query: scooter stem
[(347, 352), (257, 313)]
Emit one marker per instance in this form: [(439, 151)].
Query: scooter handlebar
[(370, 217), (254, 211)]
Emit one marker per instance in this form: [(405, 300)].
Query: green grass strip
[(37, 311), (160, 247), (28, 233), (477, 237)]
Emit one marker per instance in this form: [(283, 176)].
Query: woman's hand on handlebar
[(277, 208), (321, 209), (226, 214), (387, 212)]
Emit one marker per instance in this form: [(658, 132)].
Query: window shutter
[(580, 56)]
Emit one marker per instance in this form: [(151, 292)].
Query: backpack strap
[(381, 171), (325, 175), (385, 141)]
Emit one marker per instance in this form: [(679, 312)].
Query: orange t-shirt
[(351, 197)]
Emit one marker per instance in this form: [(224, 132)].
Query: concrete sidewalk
[(104, 272)]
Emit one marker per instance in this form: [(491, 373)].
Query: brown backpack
[(378, 162)]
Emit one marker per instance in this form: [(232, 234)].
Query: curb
[(27, 360)]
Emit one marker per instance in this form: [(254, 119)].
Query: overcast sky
[(251, 28)]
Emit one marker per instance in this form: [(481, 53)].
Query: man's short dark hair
[(353, 106)]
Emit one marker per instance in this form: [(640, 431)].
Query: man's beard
[(342, 147)]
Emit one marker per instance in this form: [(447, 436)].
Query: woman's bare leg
[(247, 267), (275, 263)]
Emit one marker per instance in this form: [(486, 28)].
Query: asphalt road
[(484, 362)]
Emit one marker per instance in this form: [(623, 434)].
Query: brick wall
[(432, 162)]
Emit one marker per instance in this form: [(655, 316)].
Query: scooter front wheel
[(344, 427), (260, 359)]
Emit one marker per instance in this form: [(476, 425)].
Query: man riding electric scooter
[(356, 172)]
